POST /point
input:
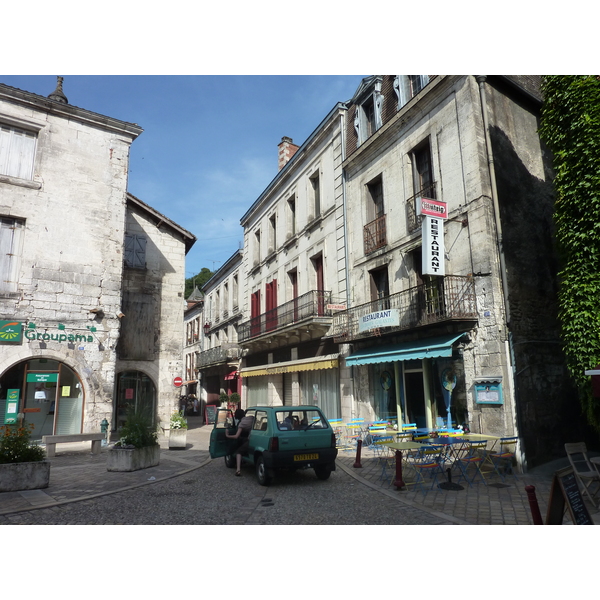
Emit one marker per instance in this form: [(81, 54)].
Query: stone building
[(91, 277), (451, 262), (218, 361), (295, 276)]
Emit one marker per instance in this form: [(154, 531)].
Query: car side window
[(261, 421)]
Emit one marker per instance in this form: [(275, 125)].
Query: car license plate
[(298, 457)]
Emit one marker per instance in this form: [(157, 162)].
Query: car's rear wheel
[(261, 472), (230, 461), (323, 472)]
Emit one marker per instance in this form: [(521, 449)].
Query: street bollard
[(398, 482), (533, 504), (357, 464)]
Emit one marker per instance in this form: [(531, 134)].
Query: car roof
[(286, 408)]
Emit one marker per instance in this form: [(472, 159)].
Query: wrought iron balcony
[(218, 355), (449, 298), (412, 219), (308, 306), (374, 235)]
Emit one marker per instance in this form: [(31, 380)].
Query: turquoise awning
[(424, 348)]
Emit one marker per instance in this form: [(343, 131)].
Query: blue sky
[(209, 146)]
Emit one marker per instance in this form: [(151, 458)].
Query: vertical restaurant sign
[(433, 246), (11, 331)]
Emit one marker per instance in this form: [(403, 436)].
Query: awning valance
[(425, 348), (309, 364)]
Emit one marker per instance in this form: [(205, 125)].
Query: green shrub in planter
[(137, 431), (16, 445)]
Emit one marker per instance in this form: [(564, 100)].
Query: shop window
[(11, 246), (135, 391), (17, 152)]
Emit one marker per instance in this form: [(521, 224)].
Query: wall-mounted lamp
[(206, 327)]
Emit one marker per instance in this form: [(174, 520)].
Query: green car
[(282, 437)]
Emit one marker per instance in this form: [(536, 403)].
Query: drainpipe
[(481, 79)]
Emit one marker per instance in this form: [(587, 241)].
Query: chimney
[(287, 149)]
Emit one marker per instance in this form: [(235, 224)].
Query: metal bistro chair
[(428, 461), (502, 461), (474, 456), (584, 470), (353, 432)]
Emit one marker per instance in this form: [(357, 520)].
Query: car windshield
[(290, 420)]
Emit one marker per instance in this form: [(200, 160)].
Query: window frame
[(11, 247), (11, 145)]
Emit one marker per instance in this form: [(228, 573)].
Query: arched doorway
[(50, 396), (137, 391)]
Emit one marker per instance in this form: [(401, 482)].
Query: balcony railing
[(374, 235), (442, 299), (218, 355), (413, 220), (309, 305)]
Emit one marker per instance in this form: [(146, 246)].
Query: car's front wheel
[(323, 472), (230, 461), (261, 472)]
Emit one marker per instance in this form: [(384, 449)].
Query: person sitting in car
[(242, 434)]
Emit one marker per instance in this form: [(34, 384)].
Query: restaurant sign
[(381, 318), (432, 208), (433, 246)]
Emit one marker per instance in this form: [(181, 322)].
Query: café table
[(400, 447)]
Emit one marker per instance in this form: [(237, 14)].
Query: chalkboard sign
[(566, 491), (210, 414)]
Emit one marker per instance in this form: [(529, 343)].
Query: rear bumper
[(285, 459)]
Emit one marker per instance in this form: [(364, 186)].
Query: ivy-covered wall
[(570, 126)]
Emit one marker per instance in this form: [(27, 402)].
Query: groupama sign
[(61, 334)]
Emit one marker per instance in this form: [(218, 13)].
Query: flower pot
[(132, 459), (177, 439), (24, 476)]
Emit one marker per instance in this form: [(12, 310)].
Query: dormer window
[(408, 86), (367, 118)]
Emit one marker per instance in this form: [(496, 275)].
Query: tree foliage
[(197, 281), (570, 126)]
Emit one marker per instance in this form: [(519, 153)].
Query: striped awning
[(293, 366)]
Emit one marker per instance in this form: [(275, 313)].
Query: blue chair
[(474, 456), (502, 461), (428, 462)]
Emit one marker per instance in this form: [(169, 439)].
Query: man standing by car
[(242, 434)]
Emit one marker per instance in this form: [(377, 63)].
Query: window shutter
[(17, 151), (139, 258), (11, 235)]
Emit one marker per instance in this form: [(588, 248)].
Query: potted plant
[(23, 464), (177, 431), (223, 399), (137, 447)]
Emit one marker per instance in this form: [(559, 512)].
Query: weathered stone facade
[(65, 278)]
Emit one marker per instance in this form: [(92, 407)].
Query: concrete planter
[(133, 459), (24, 476), (177, 439)]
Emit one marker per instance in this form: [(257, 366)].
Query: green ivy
[(570, 126)]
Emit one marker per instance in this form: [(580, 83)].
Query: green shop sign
[(42, 377), (11, 332), (61, 335)]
